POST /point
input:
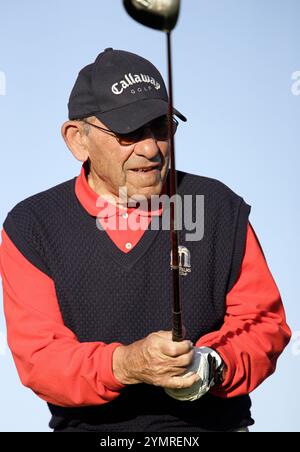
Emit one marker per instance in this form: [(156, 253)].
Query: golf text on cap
[(130, 80)]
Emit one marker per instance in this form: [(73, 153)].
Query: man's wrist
[(117, 364), (121, 365)]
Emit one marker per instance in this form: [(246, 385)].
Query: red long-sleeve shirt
[(61, 370)]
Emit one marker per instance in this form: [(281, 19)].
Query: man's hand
[(155, 360), (209, 366)]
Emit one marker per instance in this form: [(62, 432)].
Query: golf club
[(158, 14), (163, 15)]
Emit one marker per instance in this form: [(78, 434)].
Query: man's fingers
[(174, 349), (181, 382), (185, 360)]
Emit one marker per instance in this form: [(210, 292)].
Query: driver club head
[(158, 14)]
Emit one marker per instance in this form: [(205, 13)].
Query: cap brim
[(133, 116)]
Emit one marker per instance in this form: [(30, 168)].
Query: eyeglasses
[(159, 128)]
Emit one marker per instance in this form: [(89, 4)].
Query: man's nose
[(147, 147)]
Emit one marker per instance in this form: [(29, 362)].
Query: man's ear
[(75, 140)]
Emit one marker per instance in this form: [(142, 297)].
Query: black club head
[(158, 14)]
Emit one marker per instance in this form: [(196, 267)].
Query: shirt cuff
[(107, 377)]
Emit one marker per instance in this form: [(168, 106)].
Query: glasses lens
[(130, 138), (159, 128)]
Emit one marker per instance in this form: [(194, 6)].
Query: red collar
[(97, 206)]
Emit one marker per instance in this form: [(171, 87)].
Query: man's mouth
[(148, 170), (154, 168)]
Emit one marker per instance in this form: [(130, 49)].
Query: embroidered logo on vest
[(184, 258)]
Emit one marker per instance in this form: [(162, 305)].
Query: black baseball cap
[(122, 89)]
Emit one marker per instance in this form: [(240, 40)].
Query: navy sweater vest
[(109, 296)]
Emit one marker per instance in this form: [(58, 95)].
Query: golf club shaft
[(177, 328)]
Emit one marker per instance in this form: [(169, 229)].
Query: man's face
[(114, 165)]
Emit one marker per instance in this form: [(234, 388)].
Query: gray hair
[(85, 127)]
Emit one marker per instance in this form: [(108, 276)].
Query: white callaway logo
[(130, 80)]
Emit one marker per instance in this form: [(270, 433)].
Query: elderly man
[(88, 300)]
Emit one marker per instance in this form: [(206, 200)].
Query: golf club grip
[(177, 331)]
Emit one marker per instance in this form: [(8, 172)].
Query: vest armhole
[(239, 243), (25, 248)]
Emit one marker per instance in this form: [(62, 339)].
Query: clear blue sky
[(233, 67)]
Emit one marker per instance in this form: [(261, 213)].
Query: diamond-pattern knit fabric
[(110, 296)]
